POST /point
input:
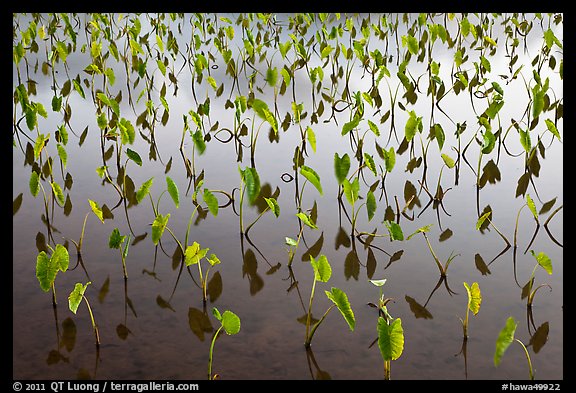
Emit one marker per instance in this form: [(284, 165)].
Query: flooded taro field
[(290, 196)]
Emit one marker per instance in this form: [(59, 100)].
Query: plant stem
[(210, 354), (315, 327), (308, 338), (530, 370), (440, 267), (96, 334)]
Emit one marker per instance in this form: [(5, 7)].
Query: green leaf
[(134, 156), (272, 76), (230, 322), (378, 283), (389, 159), (498, 88), (261, 109), (97, 210), (340, 299), (349, 126), (474, 297), (39, 145), (390, 339), (306, 220), (370, 205), (374, 128), (216, 314), (290, 242), (531, 206), (525, 140), (322, 268), (274, 206), (199, 143), (413, 124), (58, 193), (312, 177), (489, 141), (370, 163), (110, 102), (194, 254), (395, 230), (45, 271), (448, 160), (144, 189), (213, 260), (252, 181), (173, 191), (543, 260), (341, 167), (127, 133), (552, 128), (538, 101), (158, 227), (311, 137), (211, 201), (423, 229), (351, 190), (62, 154), (481, 220), (76, 296), (34, 183), (412, 43), (116, 239), (439, 134), (505, 338)]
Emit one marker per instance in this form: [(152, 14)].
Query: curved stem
[(530, 370), (210, 354)]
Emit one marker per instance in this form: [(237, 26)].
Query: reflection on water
[(271, 139)]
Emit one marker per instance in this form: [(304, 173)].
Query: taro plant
[(48, 267), (192, 256), (505, 338), (322, 273), (528, 291), (474, 302), (390, 331), (121, 242), (230, 322), (74, 300), (307, 220)]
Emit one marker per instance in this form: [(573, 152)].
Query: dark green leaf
[(370, 205), (274, 206), (134, 156)]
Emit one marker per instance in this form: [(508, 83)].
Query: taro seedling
[(293, 244), (390, 332), (528, 291), (322, 273), (48, 267), (193, 255), (121, 242), (74, 300), (474, 301), (505, 338), (230, 322)]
